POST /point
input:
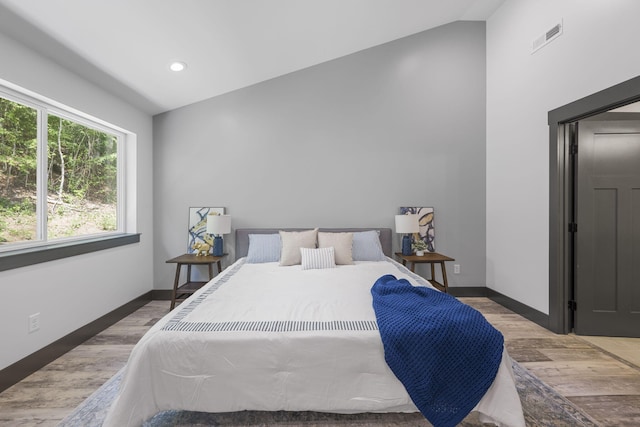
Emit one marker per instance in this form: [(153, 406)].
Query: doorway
[(606, 236), (565, 125)]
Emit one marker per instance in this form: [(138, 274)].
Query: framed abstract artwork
[(198, 226), (426, 231)]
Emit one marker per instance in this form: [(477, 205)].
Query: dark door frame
[(560, 192)]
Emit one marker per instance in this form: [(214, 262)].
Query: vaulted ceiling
[(126, 46)]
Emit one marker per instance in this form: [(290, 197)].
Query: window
[(18, 171), (61, 174)]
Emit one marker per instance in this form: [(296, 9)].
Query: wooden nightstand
[(183, 291), (428, 258)]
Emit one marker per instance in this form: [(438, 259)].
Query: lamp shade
[(218, 224), (407, 223)]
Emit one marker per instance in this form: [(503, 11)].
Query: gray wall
[(341, 144), (72, 292), (591, 55)]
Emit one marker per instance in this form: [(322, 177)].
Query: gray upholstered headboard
[(242, 237)]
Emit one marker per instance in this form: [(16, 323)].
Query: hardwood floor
[(600, 375), (50, 394), (605, 385)]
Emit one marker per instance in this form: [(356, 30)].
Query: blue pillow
[(263, 248), (367, 247)]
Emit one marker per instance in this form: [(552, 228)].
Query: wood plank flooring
[(604, 384), (603, 381)]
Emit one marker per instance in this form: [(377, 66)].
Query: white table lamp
[(218, 225), (407, 225)]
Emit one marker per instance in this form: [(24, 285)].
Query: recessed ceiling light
[(177, 66)]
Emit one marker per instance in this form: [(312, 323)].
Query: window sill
[(25, 257)]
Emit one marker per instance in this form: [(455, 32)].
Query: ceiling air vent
[(546, 38)]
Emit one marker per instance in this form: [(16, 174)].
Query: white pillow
[(292, 241), (341, 243), (317, 258)]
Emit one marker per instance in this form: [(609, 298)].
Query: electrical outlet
[(34, 322), (456, 268)]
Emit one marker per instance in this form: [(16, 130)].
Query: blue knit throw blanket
[(444, 352)]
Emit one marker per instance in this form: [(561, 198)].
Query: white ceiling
[(126, 46)]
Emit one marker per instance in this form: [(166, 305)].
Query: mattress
[(266, 337)]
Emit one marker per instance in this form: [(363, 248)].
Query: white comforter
[(265, 337)]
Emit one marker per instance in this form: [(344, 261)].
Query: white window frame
[(44, 107), (121, 188)]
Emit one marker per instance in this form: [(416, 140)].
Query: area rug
[(542, 407)]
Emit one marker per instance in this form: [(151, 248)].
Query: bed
[(261, 336)]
